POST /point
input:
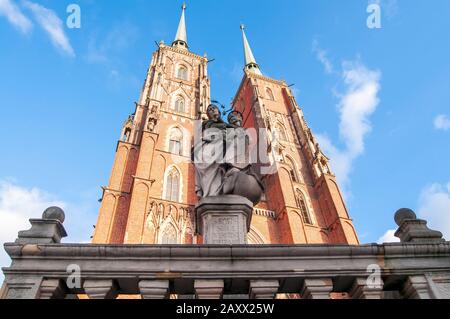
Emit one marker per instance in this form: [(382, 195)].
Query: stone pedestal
[(208, 289), (263, 289), (48, 230), (154, 289), (361, 290), (100, 289), (52, 289), (417, 287), (224, 220), (317, 288), (413, 230)]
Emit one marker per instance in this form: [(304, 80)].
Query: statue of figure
[(208, 154), (221, 159), (153, 119), (240, 177)]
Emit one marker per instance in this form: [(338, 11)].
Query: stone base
[(224, 220), (42, 231)]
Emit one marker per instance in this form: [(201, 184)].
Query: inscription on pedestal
[(225, 230), (224, 220)]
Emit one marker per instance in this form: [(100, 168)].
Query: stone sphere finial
[(402, 214), (54, 213)]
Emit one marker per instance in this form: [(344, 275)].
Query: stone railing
[(418, 267)]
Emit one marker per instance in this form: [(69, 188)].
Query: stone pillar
[(100, 289), (154, 289), (52, 289), (263, 289), (208, 289), (416, 287), (47, 230), (360, 290), (22, 287), (414, 230), (224, 220), (319, 288)]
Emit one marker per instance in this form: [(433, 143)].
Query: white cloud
[(358, 104), (15, 16), (17, 206), (53, 25), (104, 49), (434, 207), (442, 122), (355, 107), (388, 237), (321, 55)]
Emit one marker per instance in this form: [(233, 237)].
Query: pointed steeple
[(250, 62), (181, 37)]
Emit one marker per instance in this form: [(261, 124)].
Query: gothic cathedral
[(150, 198)]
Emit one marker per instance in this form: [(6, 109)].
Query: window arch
[(176, 141), (179, 105), (126, 135), (182, 73), (255, 238), (270, 94), (172, 186), (301, 203), (292, 170), (169, 236), (280, 132)]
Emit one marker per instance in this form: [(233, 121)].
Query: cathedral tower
[(303, 192), (150, 197)]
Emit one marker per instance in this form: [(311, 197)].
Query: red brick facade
[(150, 197)]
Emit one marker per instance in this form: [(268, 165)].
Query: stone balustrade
[(43, 268), (313, 271)]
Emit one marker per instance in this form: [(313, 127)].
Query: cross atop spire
[(250, 61), (181, 37)]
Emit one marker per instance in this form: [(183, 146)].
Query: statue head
[(235, 118), (213, 112)]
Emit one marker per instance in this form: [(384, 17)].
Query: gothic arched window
[(270, 94), (126, 135), (182, 73), (172, 186), (301, 203), (169, 236), (292, 170), (280, 132), (179, 105), (176, 141)]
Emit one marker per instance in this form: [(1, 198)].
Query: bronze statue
[(221, 159)]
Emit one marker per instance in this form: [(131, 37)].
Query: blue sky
[(65, 93)]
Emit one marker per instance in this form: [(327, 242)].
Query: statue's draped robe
[(237, 160), (208, 157), (220, 158)]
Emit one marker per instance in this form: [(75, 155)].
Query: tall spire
[(181, 37), (250, 62)]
